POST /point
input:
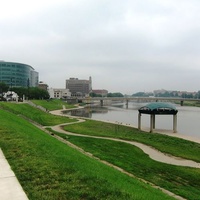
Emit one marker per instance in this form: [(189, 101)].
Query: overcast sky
[(126, 46)]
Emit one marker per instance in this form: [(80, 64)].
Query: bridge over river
[(101, 100)]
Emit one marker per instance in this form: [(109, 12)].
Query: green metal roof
[(157, 105), (158, 108)]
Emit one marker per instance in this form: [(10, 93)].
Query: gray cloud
[(125, 46)]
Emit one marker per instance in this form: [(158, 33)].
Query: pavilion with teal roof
[(158, 108)]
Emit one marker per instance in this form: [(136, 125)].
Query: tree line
[(28, 92), (175, 94), (115, 94)]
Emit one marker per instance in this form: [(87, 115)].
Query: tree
[(32, 92), (116, 94), (92, 94), (37, 93), (3, 88)]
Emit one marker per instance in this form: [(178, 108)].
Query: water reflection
[(87, 112)]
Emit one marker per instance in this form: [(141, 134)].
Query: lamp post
[(28, 85), (11, 86)]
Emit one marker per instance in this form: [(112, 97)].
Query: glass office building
[(18, 74)]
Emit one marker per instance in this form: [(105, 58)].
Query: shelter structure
[(158, 108)]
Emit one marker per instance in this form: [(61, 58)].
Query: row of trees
[(195, 95), (29, 92), (116, 94)]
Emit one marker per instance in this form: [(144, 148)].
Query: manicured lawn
[(49, 169), (43, 118), (183, 181), (53, 104), (171, 145), (190, 103)]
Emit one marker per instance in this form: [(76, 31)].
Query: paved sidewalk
[(10, 188)]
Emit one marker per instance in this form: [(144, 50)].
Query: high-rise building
[(79, 87), (18, 74)]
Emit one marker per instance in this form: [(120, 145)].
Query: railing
[(139, 98)]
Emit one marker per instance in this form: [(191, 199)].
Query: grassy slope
[(36, 115), (180, 180), (171, 145), (54, 104), (49, 169), (184, 183)]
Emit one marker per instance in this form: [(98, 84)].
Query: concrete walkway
[(164, 132), (10, 188), (152, 152)]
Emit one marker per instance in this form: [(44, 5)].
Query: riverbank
[(126, 156), (50, 169), (113, 151), (161, 131), (153, 153), (178, 135)]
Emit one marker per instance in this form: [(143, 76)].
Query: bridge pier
[(181, 102), (101, 102), (139, 121), (175, 123), (126, 103)]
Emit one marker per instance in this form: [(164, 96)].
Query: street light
[(28, 85), (11, 86)]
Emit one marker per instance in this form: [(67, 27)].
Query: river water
[(188, 117)]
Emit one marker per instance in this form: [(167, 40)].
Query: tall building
[(18, 74), (79, 87)]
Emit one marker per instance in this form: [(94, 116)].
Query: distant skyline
[(126, 46)]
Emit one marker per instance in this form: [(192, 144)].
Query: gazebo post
[(151, 123), (158, 108), (139, 121), (175, 123), (154, 121)]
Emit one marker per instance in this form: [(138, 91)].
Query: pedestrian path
[(10, 188), (152, 152)]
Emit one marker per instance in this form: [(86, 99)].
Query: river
[(188, 117)]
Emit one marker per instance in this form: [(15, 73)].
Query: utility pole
[(28, 86)]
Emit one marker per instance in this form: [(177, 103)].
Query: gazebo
[(158, 108)]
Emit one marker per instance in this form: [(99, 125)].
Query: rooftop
[(158, 108)]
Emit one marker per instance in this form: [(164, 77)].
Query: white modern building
[(56, 93)]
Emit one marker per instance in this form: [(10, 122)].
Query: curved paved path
[(152, 152)]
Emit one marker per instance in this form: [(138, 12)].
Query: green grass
[(53, 104), (43, 118), (48, 169), (180, 180), (191, 103), (51, 164), (172, 145)]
